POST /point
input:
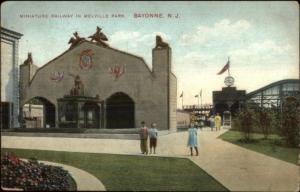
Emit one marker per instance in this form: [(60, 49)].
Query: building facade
[(127, 90), (228, 99), (9, 78)]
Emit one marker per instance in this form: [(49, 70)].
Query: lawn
[(265, 146), (133, 173)]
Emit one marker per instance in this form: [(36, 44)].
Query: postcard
[(150, 95)]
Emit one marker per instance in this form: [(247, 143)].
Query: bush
[(271, 120), (290, 121), (265, 122), (275, 121), (244, 122), (236, 123)]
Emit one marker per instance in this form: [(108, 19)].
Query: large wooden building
[(92, 85)]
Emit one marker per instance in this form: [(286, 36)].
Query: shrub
[(265, 122), (290, 121), (244, 122), (276, 121), (246, 125), (236, 123)]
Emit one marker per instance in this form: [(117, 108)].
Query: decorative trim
[(57, 76), (11, 33), (86, 60), (117, 71)]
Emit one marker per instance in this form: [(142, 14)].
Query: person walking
[(144, 137), (218, 121), (192, 139), (212, 122), (153, 133)]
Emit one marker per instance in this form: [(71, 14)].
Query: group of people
[(146, 133), (32, 176), (152, 134), (215, 122)]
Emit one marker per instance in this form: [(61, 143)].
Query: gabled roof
[(86, 41)]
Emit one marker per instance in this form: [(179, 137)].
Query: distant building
[(272, 95), (199, 110), (269, 96), (228, 99), (9, 78), (183, 119)]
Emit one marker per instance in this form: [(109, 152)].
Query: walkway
[(236, 168)]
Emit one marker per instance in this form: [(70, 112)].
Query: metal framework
[(199, 113), (272, 95), (198, 109)]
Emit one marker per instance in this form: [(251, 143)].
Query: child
[(153, 133), (193, 139)]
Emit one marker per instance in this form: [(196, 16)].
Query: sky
[(261, 38)]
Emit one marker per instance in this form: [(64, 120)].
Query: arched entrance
[(38, 112), (119, 111)]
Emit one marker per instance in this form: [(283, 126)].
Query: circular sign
[(86, 61), (229, 81)]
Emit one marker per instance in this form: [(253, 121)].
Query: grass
[(266, 146), (133, 173)]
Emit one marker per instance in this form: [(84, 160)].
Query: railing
[(198, 107)]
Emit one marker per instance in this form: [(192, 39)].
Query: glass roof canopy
[(272, 95)]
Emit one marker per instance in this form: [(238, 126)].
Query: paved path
[(236, 168), (240, 169)]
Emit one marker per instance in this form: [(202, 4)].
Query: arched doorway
[(119, 111), (38, 112)]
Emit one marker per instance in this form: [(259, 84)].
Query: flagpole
[(182, 102), (201, 97), (229, 67)]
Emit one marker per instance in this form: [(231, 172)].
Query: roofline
[(138, 57), (272, 85), (11, 33)]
